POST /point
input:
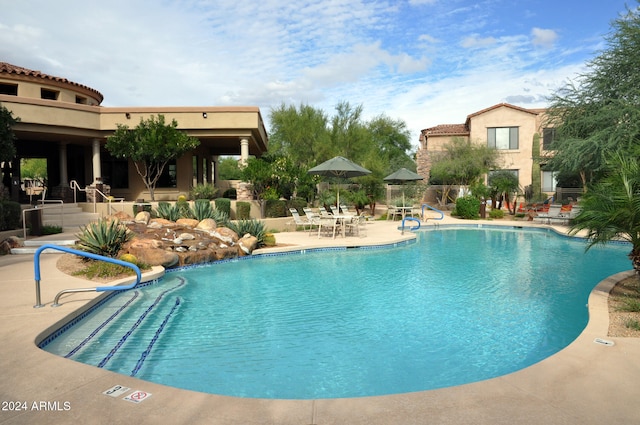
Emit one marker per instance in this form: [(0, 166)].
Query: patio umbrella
[(339, 167), (400, 177)]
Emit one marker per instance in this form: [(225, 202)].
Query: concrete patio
[(586, 383)]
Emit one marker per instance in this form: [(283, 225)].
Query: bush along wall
[(275, 208), (243, 210), (224, 205), (299, 204), (468, 207), (9, 215)]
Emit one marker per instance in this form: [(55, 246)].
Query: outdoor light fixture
[(204, 115), (128, 115)]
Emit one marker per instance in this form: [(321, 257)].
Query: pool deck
[(586, 383)]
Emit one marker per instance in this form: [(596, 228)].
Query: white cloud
[(474, 41), (427, 62), (543, 37)]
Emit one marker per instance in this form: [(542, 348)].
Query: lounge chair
[(335, 210), (299, 221), (324, 212), (312, 218), (553, 213)]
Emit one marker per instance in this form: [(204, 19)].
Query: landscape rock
[(187, 222), (143, 217), (247, 244), (207, 224)]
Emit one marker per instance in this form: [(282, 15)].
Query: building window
[(169, 176), (81, 100), (9, 89), (549, 181), (502, 138), (49, 94), (548, 135), (115, 171)]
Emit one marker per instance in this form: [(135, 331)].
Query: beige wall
[(513, 159)]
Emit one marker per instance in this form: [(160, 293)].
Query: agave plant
[(253, 227), (202, 209), (167, 211), (104, 237)]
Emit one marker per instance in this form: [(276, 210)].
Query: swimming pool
[(458, 306)]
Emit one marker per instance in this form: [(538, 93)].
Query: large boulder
[(187, 222), (225, 235), (247, 244), (208, 224)]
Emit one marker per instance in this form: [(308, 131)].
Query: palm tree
[(611, 208)]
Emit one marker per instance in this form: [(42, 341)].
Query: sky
[(425, 62)]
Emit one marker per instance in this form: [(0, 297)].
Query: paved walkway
[(586, 383)]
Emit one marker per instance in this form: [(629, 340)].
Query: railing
[(96, 192), (24, 221), (427, 206), (410, 219), (36, 265)]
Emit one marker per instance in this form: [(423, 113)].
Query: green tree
[(228, 169), (611, 208), (259, 172), (393, 142), (300, 133), (504, 183), (150, 145), (462, 163), (34, 169), (600, 113), (7, 136)]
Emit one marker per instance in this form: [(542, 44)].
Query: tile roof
[(447, 130), (7, 68)]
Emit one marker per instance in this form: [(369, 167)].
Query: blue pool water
[(457, 306)]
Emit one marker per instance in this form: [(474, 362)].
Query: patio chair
[(335, 210), (327, 225), (392, 211), (299, 221), (356, 226)]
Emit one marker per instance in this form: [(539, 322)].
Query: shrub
[(275, 208), (51, 229), (184, 210), (269, 239), (252, 227), (467, 207), (203, 191), (299, 204), (496, 213), (104, 237), (224, 205), (243, 210), (10, 215)]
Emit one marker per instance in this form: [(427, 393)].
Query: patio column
[(214, 172), (97, 172), (64, 177), (244, 151)]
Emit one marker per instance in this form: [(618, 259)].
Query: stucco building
[(65, 123), (508, 128)]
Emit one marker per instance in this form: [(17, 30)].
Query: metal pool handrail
[(433, 209), (36, 264)]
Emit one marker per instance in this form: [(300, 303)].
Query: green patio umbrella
[(400, 177), (339, 167)]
